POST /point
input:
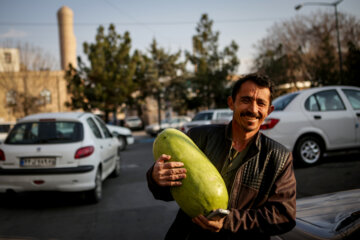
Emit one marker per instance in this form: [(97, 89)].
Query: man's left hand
[(211, 225)]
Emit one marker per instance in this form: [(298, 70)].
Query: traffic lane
[(336, 172), (127, 210)]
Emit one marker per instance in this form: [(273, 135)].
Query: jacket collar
[(255, 144)]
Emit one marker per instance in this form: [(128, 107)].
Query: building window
[(7, 57), (45, 96), (11, 97)]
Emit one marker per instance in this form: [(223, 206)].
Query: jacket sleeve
[(160, 193), (276, 215)]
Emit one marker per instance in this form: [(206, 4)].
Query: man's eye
[(262, 104)]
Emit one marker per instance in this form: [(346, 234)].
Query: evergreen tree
[(108, 81), (212, 67)]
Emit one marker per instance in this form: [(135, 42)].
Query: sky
[(172, 23)]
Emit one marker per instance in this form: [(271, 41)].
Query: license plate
[(38, 162)]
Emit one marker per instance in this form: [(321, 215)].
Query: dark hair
[(259, 79)]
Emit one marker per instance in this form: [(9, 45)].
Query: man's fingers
[(163, 158), (214, 226), (172, 165), (173, 177), (170, 183), (172, 171), (167, 173)]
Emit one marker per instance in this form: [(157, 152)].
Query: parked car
[(328, 216), (134, 123), (71, 152), (123, 134), (212, 116), (5, 128), (175, 122), (317, 120)]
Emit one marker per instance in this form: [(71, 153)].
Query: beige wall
[(9, 60), (35, 83)]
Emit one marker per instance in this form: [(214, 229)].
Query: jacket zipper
[(238, 174)]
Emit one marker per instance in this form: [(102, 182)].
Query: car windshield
[(203, 116), (134, 119), (281, 102), (166, 120), (45, 132)]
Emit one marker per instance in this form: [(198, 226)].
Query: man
[(257, 171)]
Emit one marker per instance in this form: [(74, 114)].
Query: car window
[(354, 98), (45, 132), (324, 101), (203, 116), (175, 120), (4, 128), (103, 127), (282, 102), (224, 115), (94, 128)]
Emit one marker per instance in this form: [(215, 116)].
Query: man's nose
[(253, 107)]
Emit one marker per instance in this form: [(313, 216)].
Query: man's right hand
[(168, 174)]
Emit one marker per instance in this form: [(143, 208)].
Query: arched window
[(46, 96), (11, 97)]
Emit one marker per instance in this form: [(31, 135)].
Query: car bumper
[(130, 140), (57, 179)]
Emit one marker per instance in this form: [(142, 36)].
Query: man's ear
[(271, 109), (230, 103)]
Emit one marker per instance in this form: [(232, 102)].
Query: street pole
[(338, 41), (334, 4)]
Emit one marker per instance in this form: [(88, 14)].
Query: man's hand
[(167, 173), (211, 225)]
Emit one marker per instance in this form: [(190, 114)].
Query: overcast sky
[(172, 23)]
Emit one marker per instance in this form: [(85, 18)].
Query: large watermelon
[(203, 190)]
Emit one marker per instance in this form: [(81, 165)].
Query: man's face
[(251, 106)]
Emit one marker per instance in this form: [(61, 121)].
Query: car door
[(353, 96), (326, 111), (99, 139), (109, 148)]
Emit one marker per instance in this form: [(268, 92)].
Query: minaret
[(67, 38)]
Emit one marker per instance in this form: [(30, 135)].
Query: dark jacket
[(262, 200)]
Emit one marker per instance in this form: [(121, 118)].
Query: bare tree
[(305, 48), (19, 78)]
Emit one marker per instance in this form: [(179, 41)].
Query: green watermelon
[(203, 190)]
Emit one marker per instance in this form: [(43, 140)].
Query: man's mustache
[(250, 114)]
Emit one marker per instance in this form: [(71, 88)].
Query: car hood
[(329, 214), (121, 130)]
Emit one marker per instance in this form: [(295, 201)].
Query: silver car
[(174, 122), (212, 116), (327, 216), (317, 120)]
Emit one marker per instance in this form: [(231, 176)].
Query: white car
[(72, 152), (133, 122), (317, 120), (174, 122), (5, 128), (212, 116), (123, 134)]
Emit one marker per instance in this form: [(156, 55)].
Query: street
[(128, 210)]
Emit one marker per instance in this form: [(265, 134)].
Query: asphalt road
[(128, 210)]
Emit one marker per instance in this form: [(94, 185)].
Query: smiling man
[(257, 171)]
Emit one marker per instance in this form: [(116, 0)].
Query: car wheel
[(95, 195), (309, 150), (122, 142), (116, 171)]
